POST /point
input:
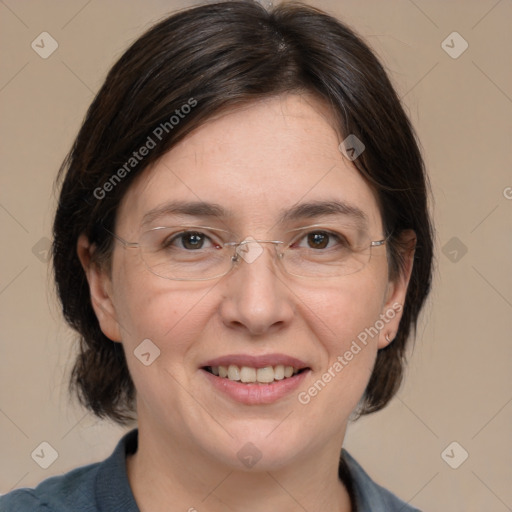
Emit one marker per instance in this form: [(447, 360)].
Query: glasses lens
[(199, 253), (188, 253), (327, 252)]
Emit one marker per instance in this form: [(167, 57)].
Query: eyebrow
[(313, 209), (309, 210), (192, 209)]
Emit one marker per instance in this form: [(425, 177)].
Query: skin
[(189, 434)]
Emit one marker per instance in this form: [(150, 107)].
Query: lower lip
[(255, 394)]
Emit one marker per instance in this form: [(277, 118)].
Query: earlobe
[(397, 289), (100, 286), (389, 338)]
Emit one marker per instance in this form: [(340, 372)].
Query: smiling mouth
[(250, 375)]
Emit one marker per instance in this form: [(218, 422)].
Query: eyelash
[(168, 242), (337, 236)]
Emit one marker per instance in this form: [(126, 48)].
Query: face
[(256, 164)]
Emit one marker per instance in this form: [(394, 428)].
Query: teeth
[(279, 372), (233, 372), (247, 374), (265, 374)]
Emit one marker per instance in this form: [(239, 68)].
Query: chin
[(259, 446)]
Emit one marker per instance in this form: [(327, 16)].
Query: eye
[(189, 240), (322, 240)]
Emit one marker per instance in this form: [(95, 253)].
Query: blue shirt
[(104, 487)]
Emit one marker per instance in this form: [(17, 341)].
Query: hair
[(213, 58)]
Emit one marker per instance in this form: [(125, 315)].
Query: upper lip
[(256, 361)]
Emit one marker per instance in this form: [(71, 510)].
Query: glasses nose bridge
[(244, 251)]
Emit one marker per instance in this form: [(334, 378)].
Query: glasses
[(200, 253)]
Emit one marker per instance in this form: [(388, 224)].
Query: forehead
[(255, 163)]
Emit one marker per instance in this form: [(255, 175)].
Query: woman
[(243, 244)]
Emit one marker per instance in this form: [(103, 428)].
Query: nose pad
[(249, 250)]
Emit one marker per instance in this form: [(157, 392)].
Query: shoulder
[(21, 499), (71, 491), (369, 495), (100, 486)]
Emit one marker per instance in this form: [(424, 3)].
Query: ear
[(100, 286), (397, 289)]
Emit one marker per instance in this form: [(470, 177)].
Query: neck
[(164, 472)]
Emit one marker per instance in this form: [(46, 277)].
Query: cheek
[(149, 307), (341, 313), (343, 321), (172, 318)]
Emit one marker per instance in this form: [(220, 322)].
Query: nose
[(256, 298)]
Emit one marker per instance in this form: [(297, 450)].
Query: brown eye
[(318, 240), (192, 240), (188, 240)]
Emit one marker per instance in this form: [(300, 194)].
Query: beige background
[(458, 386)]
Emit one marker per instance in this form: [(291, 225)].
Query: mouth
[(254, 380), (251, 375)]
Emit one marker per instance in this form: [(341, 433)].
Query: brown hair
[(219, 56)]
